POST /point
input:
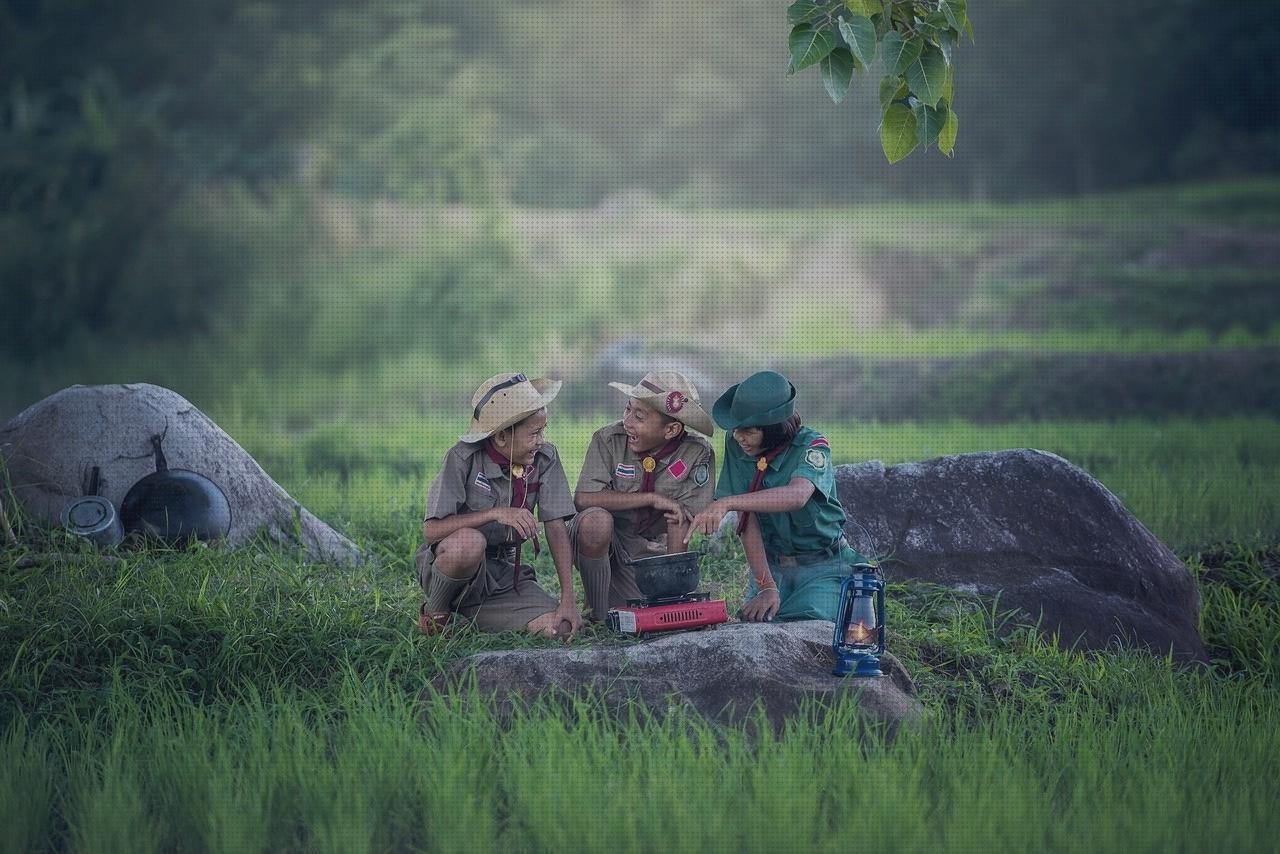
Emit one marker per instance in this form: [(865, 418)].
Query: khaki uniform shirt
[(470, 481), (688, 479)]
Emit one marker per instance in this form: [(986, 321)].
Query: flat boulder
[(721, 673), (49, 448), (1026, 525)]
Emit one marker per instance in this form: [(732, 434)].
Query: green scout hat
[(671, 393), (763, 398), (506, 399)]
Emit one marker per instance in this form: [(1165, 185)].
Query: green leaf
[(892, 89), (860, 34), (837, 73), (864, 8), (929, 122), (949, 90), (947, 136), (805, 11), (928, 76), (899, 52), (882, 24), (898, 135), (809, 45), (955, 13), (968, 28)]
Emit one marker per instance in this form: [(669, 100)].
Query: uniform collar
[(493, 471)]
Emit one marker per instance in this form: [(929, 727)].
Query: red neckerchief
[(521, 488), (663, 453), (651, 477), (762, 463)]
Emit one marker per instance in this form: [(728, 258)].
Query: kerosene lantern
[(858, 641)]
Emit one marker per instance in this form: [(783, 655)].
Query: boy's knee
[(595, 528), (459, 554)]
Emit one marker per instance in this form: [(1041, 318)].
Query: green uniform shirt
[(815, 526)]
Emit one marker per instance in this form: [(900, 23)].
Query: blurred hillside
[(296, 208)]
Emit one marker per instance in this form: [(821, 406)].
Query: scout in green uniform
[(480, 528), (778, 476), (643, 479)]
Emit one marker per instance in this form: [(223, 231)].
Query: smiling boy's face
[(521, 442), (647, 430)]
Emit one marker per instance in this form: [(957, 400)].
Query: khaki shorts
[(490, 600), (622, 578)]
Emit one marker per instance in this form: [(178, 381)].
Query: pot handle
[(161, 464), (92, 482)]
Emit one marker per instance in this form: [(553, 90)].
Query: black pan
[(175, 505)]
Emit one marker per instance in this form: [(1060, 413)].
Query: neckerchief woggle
[(521, 487), (650, 466), (762, 463)]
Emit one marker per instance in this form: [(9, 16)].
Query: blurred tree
[(114, 117)]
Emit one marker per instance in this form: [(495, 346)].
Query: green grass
[(198, 702)]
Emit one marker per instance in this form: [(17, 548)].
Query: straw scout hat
[(504, 400), (673, 395)]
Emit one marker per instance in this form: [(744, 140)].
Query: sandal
[(433, 623)]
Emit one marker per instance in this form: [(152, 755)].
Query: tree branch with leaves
[(914, 39)]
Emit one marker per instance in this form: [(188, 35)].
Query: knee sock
[(596, 575), (442, 590)]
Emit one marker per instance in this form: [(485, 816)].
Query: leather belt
[(829, 552), (503, 553)]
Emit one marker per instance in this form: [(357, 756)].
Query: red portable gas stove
[(669, 603)]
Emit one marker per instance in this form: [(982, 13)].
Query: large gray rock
[(1031, 527), (721, 673), (49, 447)]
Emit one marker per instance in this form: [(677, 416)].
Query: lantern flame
[(858, 633)]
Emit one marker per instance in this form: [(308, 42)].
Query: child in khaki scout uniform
[(643, 479), (778, 476), (479, 518)]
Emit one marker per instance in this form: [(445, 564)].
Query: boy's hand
[(517, 519), (674, 512)]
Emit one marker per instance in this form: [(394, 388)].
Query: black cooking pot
[(664, 576), (175, 505)]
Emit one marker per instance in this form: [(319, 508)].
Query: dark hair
[(784, 431)]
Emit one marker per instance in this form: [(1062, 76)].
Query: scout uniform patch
[(625, 470), (483, 482), (815, 458), (701, 472), (678, 469)]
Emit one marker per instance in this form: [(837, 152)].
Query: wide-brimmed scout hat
[(763, 398), (671, 393), (504, 400)]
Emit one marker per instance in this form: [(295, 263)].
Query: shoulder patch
[(678, 469), (816, 458), (820, 442), (701, 472)]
